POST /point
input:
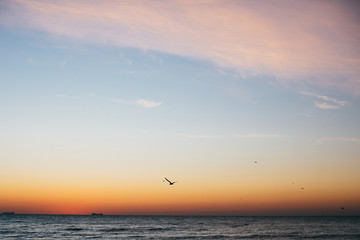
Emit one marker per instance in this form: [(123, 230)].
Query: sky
[(251, 106)]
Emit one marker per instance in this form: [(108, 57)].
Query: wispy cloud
[(336, 104), (257, 136), (139, 102), (337, 139), (326, 106), (147, 103), (267, 38), (326, 98)]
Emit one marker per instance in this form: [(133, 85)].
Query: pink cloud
[(291, 40), (335, 103), (147, 103), (326, 106)]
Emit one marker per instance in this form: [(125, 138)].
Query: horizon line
[(180, 215)]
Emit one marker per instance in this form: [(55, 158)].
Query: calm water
[(177, 227)]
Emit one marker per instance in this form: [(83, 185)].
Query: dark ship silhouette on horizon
[(8, 213), (97, 214)]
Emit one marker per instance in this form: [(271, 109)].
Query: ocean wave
[(120, 227), (239, 225), (158, 229), (74, 229), (114, 229), (7, 232), (217, 236), (333, 236)]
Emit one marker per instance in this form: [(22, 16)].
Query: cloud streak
[(326, 106), (291, 40), (336, 104), (139, 102), (147, 103)]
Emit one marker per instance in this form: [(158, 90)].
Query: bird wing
[(167, 180)]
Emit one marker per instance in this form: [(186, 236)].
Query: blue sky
[(196, 97)]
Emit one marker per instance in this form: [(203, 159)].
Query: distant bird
[(302, 188), (170, 183)]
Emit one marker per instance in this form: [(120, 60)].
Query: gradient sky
[(100, 100)]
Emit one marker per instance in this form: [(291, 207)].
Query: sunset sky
[(100, 100)]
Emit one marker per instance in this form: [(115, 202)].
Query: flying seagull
[(170, 183)]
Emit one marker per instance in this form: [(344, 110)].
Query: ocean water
[(176, 227)]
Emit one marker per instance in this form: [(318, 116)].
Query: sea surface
[(176, 227)]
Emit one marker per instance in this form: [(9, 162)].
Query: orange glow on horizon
[(176, 200)]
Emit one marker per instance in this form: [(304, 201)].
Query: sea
[(19, 226)]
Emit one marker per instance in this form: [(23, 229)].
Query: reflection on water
[(176, 227)]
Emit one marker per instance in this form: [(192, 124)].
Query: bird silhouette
[(170, 183)]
